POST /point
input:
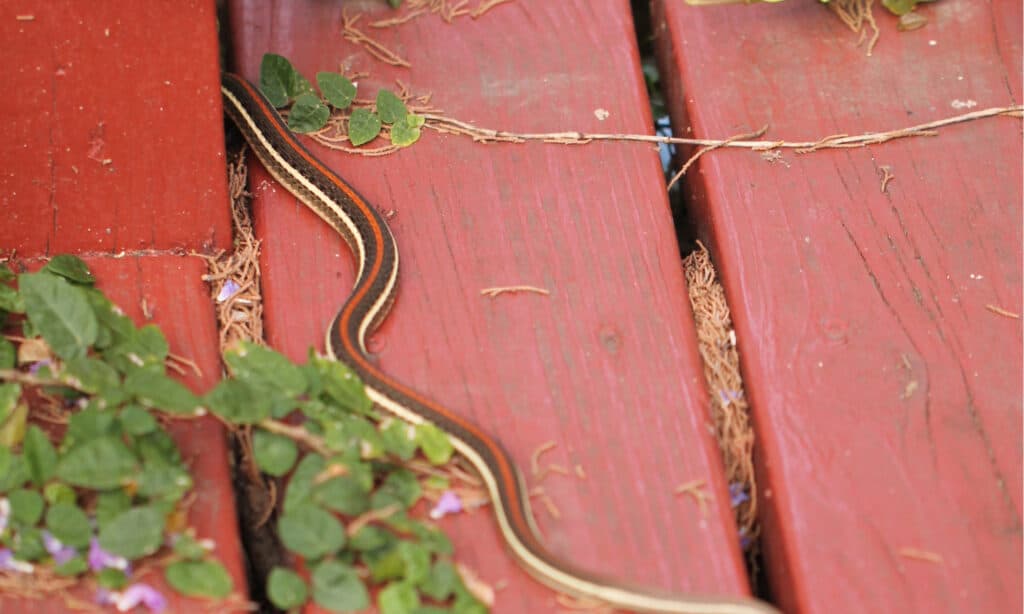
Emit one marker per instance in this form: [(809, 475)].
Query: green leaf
[(28, 545), (164, 482), (199, 579), (338, 90), (88, 424), (58, 492), (158, 391), (384, 564), (400, 487), (13, 419), (344, 494), (398, 598), (133, 533), (39, 454), (71, 268), (68, 523), (10, 394), (435, 443), (60, 312), (261, 366), (390, 108), (311, 532), (115, 327), (337, 587), (343, 386), (6, 274), (110, 505), (441, 581), (308, 114), (370, 538), (394, 3), (238, 402), (363, 126), (187, 547), (11, 300), (112, 578), (275, 454), (13, 470), (90, 375), (285, 588), (416, 559), (157, 448), (8, 354), (277, 78), (101, 463), (406, 131), (137, 421), (399, 438), (300, 486), (467, 604), (899, 7), (74, 566), (26, 506)]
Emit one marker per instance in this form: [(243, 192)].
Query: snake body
[(376, 254)]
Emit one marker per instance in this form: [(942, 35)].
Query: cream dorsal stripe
[(366, 232)]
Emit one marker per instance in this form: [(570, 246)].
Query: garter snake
[(376, 255)]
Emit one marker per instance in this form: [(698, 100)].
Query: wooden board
[(111, 131), (887, 395), (137, 85), (171, 290), (606, 365)]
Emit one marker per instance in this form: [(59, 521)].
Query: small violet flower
[(5, 513), (61, 554), (101, 559), (745, 540), (229, 289), (9, 563), (36, 366), (137, 594), (449, 503), (738, 494)]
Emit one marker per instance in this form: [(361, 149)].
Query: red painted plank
[(178, 300), (606, 365), (887, 396), (111, 136)]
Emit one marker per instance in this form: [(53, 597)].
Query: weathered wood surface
[(111, 132), (887, 395), (138, 85), (606, 365)]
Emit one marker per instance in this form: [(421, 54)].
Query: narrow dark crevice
[(672, 157), (261, 547), (681, 197)]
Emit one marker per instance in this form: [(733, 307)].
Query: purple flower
[(101, 559), (9, 563), (449, 503), (36, 366), (140, 594), (229, 289), (61, 554), (738, 494), (5, 513), (745, 540)]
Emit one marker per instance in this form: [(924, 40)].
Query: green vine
[(310, 112), (106, 493)]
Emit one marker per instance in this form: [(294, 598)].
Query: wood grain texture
[(887, 396), (606, 366), (111, 128), (178, 300)]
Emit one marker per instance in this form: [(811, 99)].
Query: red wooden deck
[(887, 397), (106, 155)]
